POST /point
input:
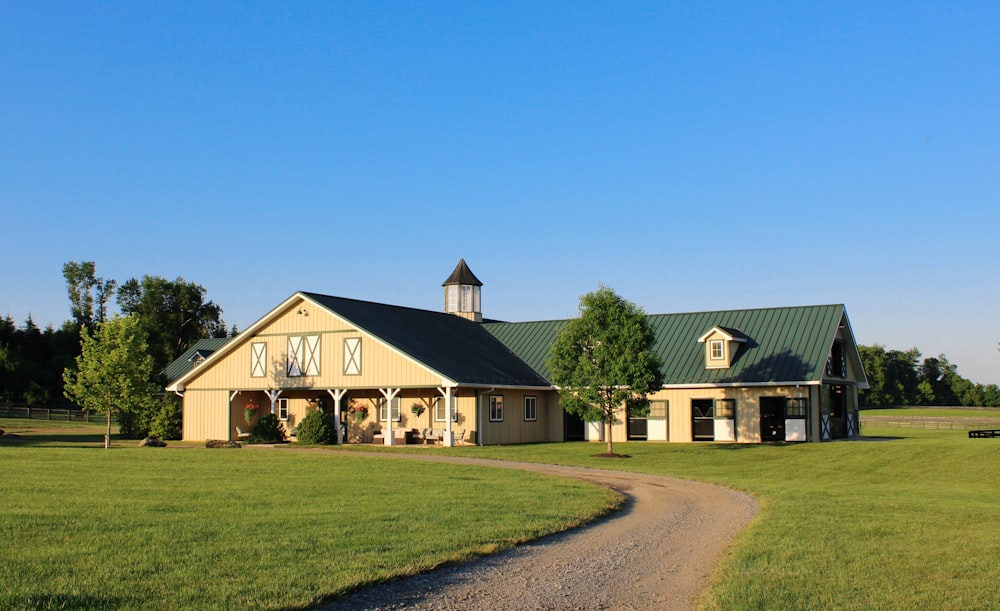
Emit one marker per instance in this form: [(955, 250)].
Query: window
[(530, 409), (258, 360), (836, 364), (725, 409), (395, 409), (303, 356), (658, 409), (496, 408), (352, 356), (282, 409), (439, 409), (451, 298), (796, 408), (716, 350)]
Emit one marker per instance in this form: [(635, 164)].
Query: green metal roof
[(184, 364), (783, 344), (453, 346)]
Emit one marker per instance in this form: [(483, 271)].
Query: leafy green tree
[(174, 315), (114, 372), (603, 361), (88, 294)]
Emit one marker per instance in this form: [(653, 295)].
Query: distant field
[(931, 412), (88, 528)]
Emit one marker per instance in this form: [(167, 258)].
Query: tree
[(174, 315), (88, 294), (114, 371), (603, 361)]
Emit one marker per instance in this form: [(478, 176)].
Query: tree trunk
[(611, 447)]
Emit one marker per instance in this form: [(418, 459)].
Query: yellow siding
[(204, 415), (747, 409), (380, 365), (514, 428)]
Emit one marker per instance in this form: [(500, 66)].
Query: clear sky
[(690, 155)]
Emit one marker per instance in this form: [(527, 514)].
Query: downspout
[(479, 416)]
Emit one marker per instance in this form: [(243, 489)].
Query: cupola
[(462, 293)]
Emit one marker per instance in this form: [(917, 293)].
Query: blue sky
[(691, 156)]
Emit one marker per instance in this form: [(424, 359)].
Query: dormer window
[(721, 346)]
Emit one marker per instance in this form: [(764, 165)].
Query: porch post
[(337, 394), (273, 396), (449, 436), (389, 393)]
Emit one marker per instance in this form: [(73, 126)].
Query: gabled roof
[(186, 362), (732, 335), (455, 347), (783, 345)]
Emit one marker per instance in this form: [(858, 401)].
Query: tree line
[(159, 319), (900, 377)]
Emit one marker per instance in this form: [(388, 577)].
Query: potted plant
[(417, 409)]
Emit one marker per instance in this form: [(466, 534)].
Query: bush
[(316, 428), (267, 430), (166, 420)]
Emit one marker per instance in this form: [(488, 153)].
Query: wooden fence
[(925, 422), (46, 413)]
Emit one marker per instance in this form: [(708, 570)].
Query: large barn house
[(393, 374)]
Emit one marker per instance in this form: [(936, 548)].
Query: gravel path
[(658, 552)]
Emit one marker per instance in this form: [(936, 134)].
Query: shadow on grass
[(61, 440), (62, 601)]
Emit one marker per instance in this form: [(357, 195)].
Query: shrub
[(316, 427), (267, 430), (166, 421)]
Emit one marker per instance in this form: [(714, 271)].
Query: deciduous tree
[(114, 372), (603, 361)]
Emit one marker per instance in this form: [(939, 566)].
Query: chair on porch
[(241, 434)]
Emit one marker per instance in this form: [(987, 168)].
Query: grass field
[(904, 522), (88, 528), (908, 522), (932, 412)]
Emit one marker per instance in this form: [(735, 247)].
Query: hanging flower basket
[(417, 409), (250, 411), (360, 412)]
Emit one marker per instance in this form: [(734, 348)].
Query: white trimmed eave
[(720, 331), (445, 380), (247, 334), (863, 382), (741, 385)]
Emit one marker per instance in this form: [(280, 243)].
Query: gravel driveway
[(658, 552)]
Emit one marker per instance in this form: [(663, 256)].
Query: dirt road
[(658, 552)]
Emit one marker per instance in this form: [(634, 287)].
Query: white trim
[(250, 333), (723, 333)]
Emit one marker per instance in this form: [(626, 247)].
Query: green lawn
[(908, 522), (83, 527)]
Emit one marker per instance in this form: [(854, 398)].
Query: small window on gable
[(258, 359), (716, 350)]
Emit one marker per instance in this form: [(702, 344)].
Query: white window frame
[(293, 360), (258, 359), (397, 415), (715, 348), (496, 408), (451, 298), (530, 408), (465, 297), (352, 356), (439, 409), (283, 410)]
